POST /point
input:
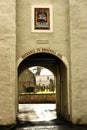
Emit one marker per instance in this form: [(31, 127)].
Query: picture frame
[(41, 18)]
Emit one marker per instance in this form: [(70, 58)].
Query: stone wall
[(58, 40), (7, 62), (78, 40), (37, 98), (26, 79)]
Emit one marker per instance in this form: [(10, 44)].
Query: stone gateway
[(62, 48)]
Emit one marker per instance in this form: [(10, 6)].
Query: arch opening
[(59, 70), (37, 80)]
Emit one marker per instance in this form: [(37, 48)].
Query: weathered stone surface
[(78, 40), (7, 62), (37, 98), (58, 40)]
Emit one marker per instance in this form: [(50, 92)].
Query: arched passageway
[(59, 69)]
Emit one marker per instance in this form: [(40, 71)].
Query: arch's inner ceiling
[(40, 59)]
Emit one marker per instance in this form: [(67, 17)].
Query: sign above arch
[(40, 50), (43, 50)]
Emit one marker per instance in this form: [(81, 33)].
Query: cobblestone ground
[(41, 117), (37, 112), (62, 127), (55, 127), (39, 128)]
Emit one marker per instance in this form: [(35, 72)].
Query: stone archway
[(61, 72), (45, 50)]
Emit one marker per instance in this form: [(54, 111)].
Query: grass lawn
[(41, 92)]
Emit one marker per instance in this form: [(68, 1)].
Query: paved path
[(41, 117), (37, 112), (53, 128)]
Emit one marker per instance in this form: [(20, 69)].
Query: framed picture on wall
[(41, 19)]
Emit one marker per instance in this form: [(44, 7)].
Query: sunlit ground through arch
[(37, 112)]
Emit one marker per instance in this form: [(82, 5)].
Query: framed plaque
[(41, 19)]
